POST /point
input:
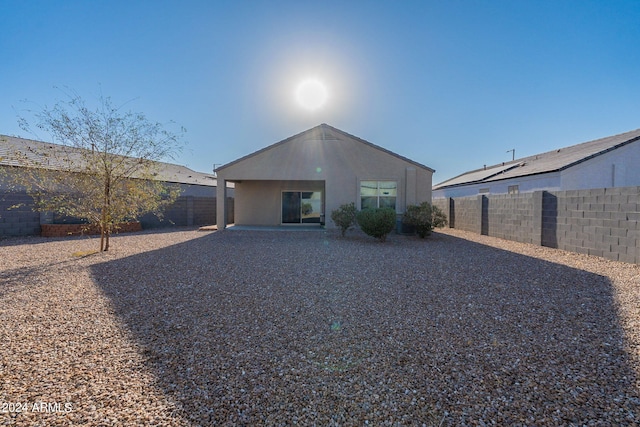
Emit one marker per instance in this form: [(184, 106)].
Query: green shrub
[(377, 222), (345, 216), (439, 217), (424, 217)]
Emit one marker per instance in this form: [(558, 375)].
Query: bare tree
[(104, 166)]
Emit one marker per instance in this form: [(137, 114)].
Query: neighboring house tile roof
[(551, 161), (9, 146), (327, 133)]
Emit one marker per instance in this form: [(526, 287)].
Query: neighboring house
[(301, 179), (192, 183), (603, 163), (195, 206)]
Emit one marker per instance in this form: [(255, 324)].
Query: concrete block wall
[(21, 220), (176, 214), (465, 213), (204, 210), (549, 220), (603, 222), (513, 217), (180, 213), (188, 211)]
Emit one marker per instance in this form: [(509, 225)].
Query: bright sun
[(311, 94)]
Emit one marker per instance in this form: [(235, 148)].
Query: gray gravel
[(308, 328)]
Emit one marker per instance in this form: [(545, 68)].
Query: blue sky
[(450, 84)]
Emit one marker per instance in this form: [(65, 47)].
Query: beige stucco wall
[(340, 162), (260, 202)]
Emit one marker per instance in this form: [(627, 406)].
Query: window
[(483, 191), (301, 207), (513, 189), (378, 194)]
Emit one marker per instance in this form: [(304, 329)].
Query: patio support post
[(221, 204)]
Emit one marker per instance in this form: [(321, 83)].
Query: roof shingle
[(551, 161), (35, 155)]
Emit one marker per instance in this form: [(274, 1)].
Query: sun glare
[(311, 94)]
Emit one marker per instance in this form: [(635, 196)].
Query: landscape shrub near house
[(345, 216), (424, 218), (377, 222)]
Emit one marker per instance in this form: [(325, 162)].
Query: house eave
[(321, 128)]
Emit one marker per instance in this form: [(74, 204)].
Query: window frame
[(378, 193)]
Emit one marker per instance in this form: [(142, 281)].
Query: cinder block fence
[(603, 222), (17, 217)]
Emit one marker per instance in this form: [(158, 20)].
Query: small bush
[(345, 216), (377, 222), (424, 217), (439, 217)]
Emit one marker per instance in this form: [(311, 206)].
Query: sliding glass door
[(301, 207), (291, 213)]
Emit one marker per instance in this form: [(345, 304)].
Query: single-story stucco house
[(303, 178), (608, 162)]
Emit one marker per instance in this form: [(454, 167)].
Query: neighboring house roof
[(33, 152), (551, 161), (326, 133)]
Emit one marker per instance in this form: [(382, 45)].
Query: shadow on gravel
[(259, 328), (12, 278), (9, 241)]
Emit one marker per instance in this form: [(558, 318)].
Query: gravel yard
[(308, 328)]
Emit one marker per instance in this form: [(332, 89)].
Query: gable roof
[(324, 132), (32, 150), (551, 161)]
